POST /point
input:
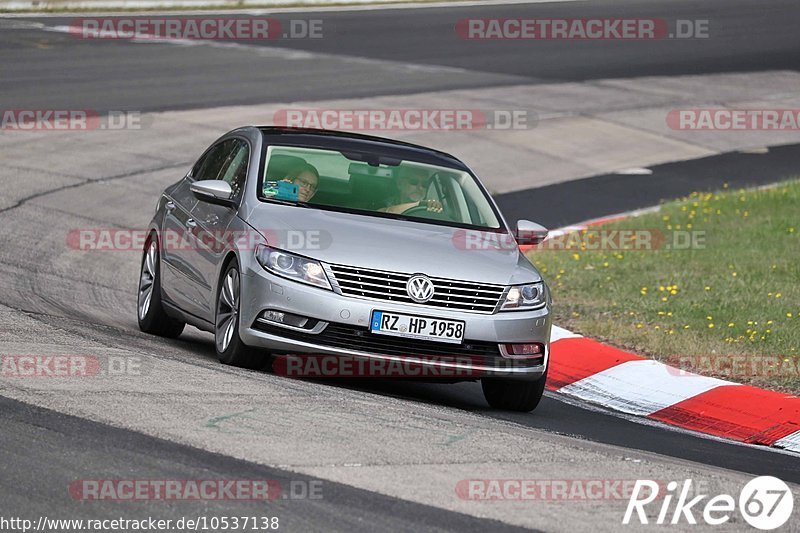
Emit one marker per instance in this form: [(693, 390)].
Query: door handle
[(191, 223)]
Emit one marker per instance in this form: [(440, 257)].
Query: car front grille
[(391, 286)]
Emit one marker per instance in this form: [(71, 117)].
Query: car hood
[(393, 245)]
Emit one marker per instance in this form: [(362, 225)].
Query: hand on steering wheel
[(434, 206), (428, 209)]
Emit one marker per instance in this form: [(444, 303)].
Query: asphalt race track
[(389, 454), (66, 71)]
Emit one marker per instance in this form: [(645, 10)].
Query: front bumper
[(343, 325)]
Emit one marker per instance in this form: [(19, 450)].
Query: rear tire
[(229, 346), (152, 317), (511, 395)]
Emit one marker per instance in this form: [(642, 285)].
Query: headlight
[(522, 297), (292, 266)]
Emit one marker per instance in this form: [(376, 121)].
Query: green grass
[(729, 307)]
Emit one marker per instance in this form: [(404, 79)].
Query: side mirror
[(530, 233), (213, 191)]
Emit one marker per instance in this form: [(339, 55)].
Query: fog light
[(524, 350), (274, 316), (288, 319)]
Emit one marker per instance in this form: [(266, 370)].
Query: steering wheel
[(422, 212)]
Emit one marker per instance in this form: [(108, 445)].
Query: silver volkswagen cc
[(288, 242)]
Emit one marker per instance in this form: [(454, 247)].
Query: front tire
[(230, 348), (514, 395), (152, 317)]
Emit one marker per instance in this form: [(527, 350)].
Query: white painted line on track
[(261, 10), (282, 53), (636, 171)]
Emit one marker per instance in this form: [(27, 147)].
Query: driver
[(412, 185)]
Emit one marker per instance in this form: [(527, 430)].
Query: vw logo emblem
[(420, 288)]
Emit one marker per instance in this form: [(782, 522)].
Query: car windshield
[(329, 179)]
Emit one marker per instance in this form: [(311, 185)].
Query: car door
[(213, 229), (175, 272), (186, 286)]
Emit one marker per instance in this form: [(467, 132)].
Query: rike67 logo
[(765, 503)]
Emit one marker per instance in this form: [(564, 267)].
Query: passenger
[(306, 177), (412, 185)]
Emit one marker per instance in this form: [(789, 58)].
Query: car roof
[(358, 142)]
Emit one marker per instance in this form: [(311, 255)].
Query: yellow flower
[(777, 295), (707, 288), (730, 324), (733, 274), (789, 315)]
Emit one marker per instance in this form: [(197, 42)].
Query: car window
[(209, 166), (235, 169), (405, 189)]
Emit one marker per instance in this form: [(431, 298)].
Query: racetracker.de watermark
[(337, 366), (68, 120), (545, 489), (194, 28), (630, 29), (133, 240), (135, 490), (27, 366), (407, 119), (726, 119), (735, 366), (600, 240)]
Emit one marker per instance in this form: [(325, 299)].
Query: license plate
[(417, 327)]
